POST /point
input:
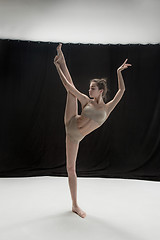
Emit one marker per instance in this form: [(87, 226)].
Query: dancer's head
[(98, 87)]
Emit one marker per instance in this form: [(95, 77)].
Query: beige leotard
[(80, 125)]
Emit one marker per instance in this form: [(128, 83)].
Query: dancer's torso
[(92, 117)]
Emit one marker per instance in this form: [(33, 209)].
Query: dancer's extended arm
[(71, 88), (66, 72), (111, 105)]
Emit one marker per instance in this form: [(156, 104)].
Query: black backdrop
[(32, 104)]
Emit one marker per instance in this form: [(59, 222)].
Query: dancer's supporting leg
[(71, 155)]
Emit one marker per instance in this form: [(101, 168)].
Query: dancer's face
[(94, 91)]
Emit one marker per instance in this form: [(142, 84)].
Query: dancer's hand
[(123, 66)]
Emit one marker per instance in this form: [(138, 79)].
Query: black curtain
[(32, 104)]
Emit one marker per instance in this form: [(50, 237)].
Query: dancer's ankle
[(75, 205)]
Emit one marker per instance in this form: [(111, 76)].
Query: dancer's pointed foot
[(78, 211), (60, 56), (59, 50)]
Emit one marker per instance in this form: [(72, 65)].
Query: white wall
[(84, 21)]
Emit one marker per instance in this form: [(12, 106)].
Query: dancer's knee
[(71, 171)]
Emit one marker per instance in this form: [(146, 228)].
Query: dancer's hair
[(101, 84)]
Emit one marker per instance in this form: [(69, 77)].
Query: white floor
[(37, 208)]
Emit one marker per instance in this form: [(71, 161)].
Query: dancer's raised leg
[(71, 103), (63, 64)]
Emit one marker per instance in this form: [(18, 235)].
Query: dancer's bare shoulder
[(85, 101)]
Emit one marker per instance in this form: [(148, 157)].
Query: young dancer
[(94, 113)]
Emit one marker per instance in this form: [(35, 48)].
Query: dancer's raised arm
[(111, 105)]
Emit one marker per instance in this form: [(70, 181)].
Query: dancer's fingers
[(125, 61)]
